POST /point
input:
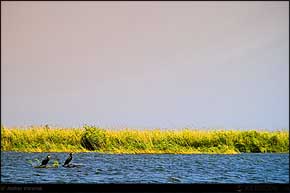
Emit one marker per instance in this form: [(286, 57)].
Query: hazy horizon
[(145, 64)]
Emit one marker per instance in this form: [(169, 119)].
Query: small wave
[(140, 169), (98, 171), (159, 169), (174, 179)]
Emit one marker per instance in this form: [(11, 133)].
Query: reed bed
[(41, 139), (185, 141)]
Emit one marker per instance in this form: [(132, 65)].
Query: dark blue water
[(147, 168)]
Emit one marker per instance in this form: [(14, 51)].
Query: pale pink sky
[(145, 64)]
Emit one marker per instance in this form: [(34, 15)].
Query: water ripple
[(165, 168)]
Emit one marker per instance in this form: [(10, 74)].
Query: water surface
[(147, 168)]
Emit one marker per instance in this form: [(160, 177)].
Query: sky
[(145, 64)]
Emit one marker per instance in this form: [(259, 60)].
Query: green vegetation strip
[(185, 141)]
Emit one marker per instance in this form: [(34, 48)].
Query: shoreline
[(125, 152), (147, 153)]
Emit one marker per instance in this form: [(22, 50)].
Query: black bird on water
[(45, 161), (68, 159)]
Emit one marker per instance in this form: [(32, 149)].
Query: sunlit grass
[(41, 139), (185, 141)]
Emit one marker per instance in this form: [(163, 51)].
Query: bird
[(68, 159), (45, 161)]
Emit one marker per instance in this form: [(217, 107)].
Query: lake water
[(147, 168)]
